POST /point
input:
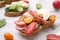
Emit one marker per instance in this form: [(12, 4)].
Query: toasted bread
[(13, 14), (2, 3), (10, 1)]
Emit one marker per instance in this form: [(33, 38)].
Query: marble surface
[(10, 26)]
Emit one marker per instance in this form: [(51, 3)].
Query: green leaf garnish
[(2, 22), (38, 6), (20, 9)]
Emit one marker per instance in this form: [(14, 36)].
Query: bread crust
[(10, 1), (2, 3), (14, 14)]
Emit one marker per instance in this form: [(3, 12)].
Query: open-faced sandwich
[(32, 22), (16, 8), (2, 3)]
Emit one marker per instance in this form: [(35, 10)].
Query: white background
[(10, 26)]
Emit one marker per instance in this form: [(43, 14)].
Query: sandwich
[(16, 8), (31, 22)]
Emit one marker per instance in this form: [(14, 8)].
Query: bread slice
[(2, 3), (14, 14)]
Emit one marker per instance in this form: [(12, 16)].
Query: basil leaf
[(38, 6), (2, 22)]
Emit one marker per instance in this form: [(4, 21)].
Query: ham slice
[(31, 28), (52, 37), (38, 18)]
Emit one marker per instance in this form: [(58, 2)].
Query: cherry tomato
[(52, 17), (28, 20), (56, 4), (31, 28), (20, 23), (8, 36)]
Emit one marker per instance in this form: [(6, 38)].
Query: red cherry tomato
[(56, 4), (52, 37), (20, 23), (31, 28)]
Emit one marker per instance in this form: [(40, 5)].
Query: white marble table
[(10, 26)]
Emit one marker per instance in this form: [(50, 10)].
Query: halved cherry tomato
[(20, 23), (31, 28), (28, 20), (52, 17)]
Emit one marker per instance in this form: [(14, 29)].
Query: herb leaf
[(38, 6), (2, 22)]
